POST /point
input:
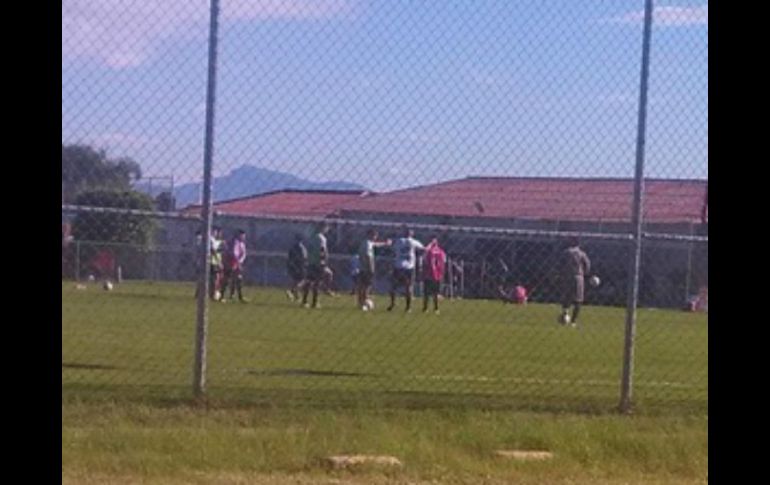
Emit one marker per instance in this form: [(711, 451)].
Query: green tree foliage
[(165, 202), (85, 168), (111, 227)]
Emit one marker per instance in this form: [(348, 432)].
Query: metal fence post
[(201, 328), (636, 216), (77, 260), (688, 273), (264, 270)]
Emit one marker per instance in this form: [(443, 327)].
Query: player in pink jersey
[(434, 264)]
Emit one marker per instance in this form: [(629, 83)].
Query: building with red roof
[(590, 204), (286, 203)]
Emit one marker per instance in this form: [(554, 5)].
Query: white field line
[(572, 382)]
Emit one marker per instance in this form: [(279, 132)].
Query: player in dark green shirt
[(317, 256)]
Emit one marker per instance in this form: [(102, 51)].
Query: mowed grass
[(288, 386), (138, 341)]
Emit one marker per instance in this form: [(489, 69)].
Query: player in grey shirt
[(575, 267)]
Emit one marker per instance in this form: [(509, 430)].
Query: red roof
[(298, 203), (570, 199)]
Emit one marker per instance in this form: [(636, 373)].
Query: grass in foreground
[(130, 443)]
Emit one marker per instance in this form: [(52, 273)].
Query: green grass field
[(138, 341), (289, 385)]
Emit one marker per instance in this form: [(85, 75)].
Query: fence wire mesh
[(499, 133)]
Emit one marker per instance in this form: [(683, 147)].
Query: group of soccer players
[(309, 270), (225, 264)]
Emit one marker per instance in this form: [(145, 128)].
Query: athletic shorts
[(432, 287), (297, 273), (573, 290), (365, 278), (234, 272), (315, 272), (401, 276)]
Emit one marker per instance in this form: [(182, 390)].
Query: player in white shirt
[(367, 265), (403, 267)]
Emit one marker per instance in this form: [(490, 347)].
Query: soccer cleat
[(290, 296), (244, 300), (306, 305)]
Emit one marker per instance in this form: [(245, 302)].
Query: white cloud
[(124, 33), (668, 16)]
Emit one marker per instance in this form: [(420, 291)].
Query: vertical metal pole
[(201, 327), (450, 274), (77, 260), (483, 288), (264, 270), (689, 267), (634, 263)]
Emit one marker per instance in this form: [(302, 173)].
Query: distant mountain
[(247, 180)]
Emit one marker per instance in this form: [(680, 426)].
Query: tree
[(165, 202), (113, 227), (84, 168)]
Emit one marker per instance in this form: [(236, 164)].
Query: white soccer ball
[(217, 295), (564, 319), (107, 286), (369, 304), (594, 281)]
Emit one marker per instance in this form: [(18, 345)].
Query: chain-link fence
[(369, 158)]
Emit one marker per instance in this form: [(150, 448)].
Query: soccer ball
[(107, 286), (594, 281), (217, 295), (564, 319), (369, 304)]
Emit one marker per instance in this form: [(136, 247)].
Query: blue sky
[(389, 93)]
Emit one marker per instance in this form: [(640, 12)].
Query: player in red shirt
[(434, 263)]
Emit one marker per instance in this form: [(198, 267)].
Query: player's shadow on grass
[(307, 373)]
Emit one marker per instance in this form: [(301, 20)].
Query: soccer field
[(137, 342)]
